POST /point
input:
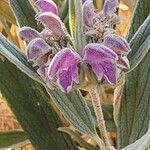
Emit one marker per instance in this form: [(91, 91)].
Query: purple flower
[(49, 49), (88, 13), (98, 24), (120, 46), (47, 6), (64, 66), (27, 33), (109, 8), (102, 60), (37, 48), (52, 22)]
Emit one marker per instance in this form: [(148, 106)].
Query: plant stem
[(100, 119)]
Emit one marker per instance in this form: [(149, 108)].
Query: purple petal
[(47, 6), (66, 78), (88, 13), (102, 60), (37, 48), (27, 33), (64, 66), (51, 21), (98, 52), (106, 68), (116, 43), (109, 8)]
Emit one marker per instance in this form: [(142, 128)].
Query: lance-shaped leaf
[(79, 31), (47, 6), (13, 54), (75, 110), (77, 137), (72, 17), (30, 103), (12, 137), (72, 105), (64, 66), (134, 112), (140, 48), (102, 60), (24, 13), (141, 144)]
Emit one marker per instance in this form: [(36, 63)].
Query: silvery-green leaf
[(141, 12), (77, 137), (30, 103), (7, 139), (14, 55), (72, 17), (141, 144), (140, 53), (79, 33), (134, 112), (16, 146), (24, 13), (75, 110)]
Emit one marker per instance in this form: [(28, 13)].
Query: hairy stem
[(100, 119)]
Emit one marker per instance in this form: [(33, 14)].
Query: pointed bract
[(116, 43), (102, 60), (64, 66), (28, 33), (88, 13), (47, 6), (109, 8), (36, 48)]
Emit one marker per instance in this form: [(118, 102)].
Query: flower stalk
[(99, 116)]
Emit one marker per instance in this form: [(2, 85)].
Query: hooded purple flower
[(120, 46), (102, 60), (64, 66), (98, 24), (57, 61), (47, 6)]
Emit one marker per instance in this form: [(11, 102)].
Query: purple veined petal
[(116, 43), (109, 8), (37, 48), (123, 62), (66, 78), (95, 52), (102, 60), (51, 21), (88, 13), (64, 66), (28, 33), (47, 6), (106, 68)]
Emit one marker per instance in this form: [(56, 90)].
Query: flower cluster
[(105, 54)]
